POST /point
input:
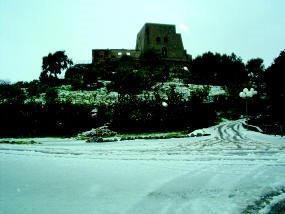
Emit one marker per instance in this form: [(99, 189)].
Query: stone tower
[(162, 39)]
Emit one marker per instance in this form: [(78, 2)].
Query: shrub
[(11, 94), (35, 88), (199, 95), (51, 96), (30, 120)]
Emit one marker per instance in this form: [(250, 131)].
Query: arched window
[(158, 39)]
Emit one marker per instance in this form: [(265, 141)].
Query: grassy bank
[(18, 142), (152, 135)]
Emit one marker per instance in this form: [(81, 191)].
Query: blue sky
[(30, 29)]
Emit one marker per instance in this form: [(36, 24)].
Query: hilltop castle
[(160, 38)]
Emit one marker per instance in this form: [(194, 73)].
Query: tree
[(80, 76), (53, 64), (129, 78), (255, 71), (218, 69), (128, 81), (274, 76), (233, 70)]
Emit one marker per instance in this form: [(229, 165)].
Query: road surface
[(230, 171)]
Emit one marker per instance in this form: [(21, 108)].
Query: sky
[(31, 29)]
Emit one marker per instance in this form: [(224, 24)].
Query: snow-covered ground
[(231, 171)]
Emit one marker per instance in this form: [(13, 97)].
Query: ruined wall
[(100, 55), (163, 39)]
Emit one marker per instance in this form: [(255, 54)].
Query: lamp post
[(164, 104), (246, 94)]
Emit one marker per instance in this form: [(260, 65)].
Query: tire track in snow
[(187, 193), (227, 138), (168, 196), (201, 168)]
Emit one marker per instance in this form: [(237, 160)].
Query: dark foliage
[(51, 96), (274, 77), (128, 77), (132, 77), (128, 81), (35, 88), (81, 77), (268, 124), (105, 70), (31, 120), (11, 94), (255, 70), (132, 114), (218, 69), (52, 65)]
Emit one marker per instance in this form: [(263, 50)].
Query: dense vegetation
[(35, 108)]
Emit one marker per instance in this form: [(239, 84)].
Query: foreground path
[(230, 171)]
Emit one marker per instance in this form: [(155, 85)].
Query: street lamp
[(164, 104), (246, 94)]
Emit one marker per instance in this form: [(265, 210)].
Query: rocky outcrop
[(97, 134)]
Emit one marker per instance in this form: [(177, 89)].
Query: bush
[(51, 96), (11, 94), (199, 95), (31, 120), (132, 114), (80, 76), (35, 88)]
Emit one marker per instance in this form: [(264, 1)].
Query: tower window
[(165, 39), (158, 39)]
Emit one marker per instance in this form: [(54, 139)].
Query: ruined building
[(160, 38)]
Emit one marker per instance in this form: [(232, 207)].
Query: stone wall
[(99, 55), (163, 39)]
